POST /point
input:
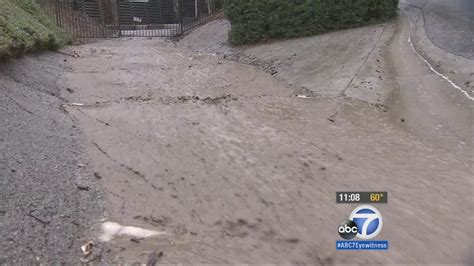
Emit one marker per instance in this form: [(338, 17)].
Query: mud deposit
[(223, 156), (228, 160)]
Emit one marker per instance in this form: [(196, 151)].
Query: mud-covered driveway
[(236, 168)]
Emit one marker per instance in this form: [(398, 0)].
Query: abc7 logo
[(348, 229), (365, 222)]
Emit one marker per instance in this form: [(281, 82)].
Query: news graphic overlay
[(361, 197), (369, 221), (365, 222), (348, 229)]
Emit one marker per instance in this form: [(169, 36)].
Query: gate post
[(117, 3), (180, 16)]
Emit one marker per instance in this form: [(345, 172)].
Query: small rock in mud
[(402, 120), (70, 90), (37, 215), (97, 175), (87, 248), (82, 187)]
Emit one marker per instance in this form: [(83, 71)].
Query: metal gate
[(129, 18)]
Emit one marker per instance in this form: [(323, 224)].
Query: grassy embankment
[(25, 28)]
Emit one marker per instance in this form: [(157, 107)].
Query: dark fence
[(129, 18)]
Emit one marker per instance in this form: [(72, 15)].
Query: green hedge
[(24, 28), (256, 20)]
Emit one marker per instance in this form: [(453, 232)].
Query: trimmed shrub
[(256, 20), (24, 28)]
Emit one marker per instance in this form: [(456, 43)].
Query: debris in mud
[(70, 90), (138, 98), (322, 168), (304, 93), (97, 175), (87, 248), (219, 99), (188, 98), (97, 258), (111, 229), (40, 218), (241, 57), (332, 118), (402, 120), (305, 97), (82, 187), (381, 107), (137, 239), (194, 98), (153, 258)]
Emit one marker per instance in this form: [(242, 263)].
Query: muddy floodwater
[(218, 149), (206, 153)]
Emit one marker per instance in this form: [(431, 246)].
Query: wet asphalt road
[(449, 24), (44, 217)]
